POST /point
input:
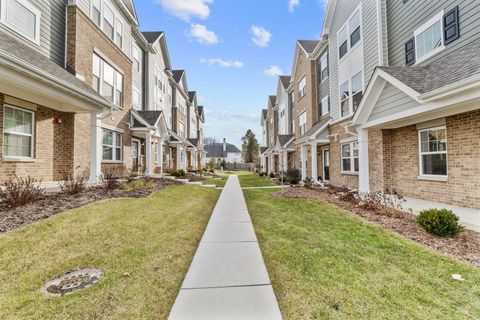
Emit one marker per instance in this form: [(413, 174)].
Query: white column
[(148, 155), (270, 165), (314, 162), (303, 158), (95, 147), (285, 160), (364, 173), (161, 156)]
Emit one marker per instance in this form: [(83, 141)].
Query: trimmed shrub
[(440, 222), (262, 174), (178, 173), (21, 191), (293, 176), (272, 175)]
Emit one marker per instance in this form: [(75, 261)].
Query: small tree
[(211, 164), (223, 164), (249, 147)]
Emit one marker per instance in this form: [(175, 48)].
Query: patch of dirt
[(465, 247), (54, 203)]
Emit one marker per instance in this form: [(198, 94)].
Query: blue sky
[(232, 51)]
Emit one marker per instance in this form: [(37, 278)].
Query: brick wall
[(53, 146), (85, 38), (401, 166), (336, 176)]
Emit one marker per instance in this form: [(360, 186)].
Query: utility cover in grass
[(72, 281)]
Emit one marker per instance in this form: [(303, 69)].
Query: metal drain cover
[(73, 280)]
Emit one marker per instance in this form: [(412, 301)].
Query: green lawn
[(247, 179), (153, 239), (326, 263), (218, 183)]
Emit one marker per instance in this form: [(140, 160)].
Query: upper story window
[(302, 122), (324, 107), (302, 87), (136, 57), (107, 81), (119, 34), (22, 17), (96, 11), (106, 19), (433, 151), (136, 97), (342, 43), (350, 34), (351, 94), (18, 132), (181, 130), (355, 29), (429, 38), (158, 87), (324, 67), (344, 99), (357, 90), (108, 22)]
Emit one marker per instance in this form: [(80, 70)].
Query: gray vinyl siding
[(391, 101), (343, 10), (84, 5), (405, 18), (137, 77), (324, 87), (52, 30)]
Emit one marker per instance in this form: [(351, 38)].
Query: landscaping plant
[(293, 176), (21, 191), (74, 184), (387, 203), (112, 176), (440, 222)]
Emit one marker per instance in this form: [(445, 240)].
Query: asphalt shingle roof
[(193, 141), (284, 138), (191, 95), (153, 36), (151, 117), (316, 127), (263, 149), (177, 75), (31, 58), (285, 81), (215, 150), (272, 100), (453, 67), (308, 45)]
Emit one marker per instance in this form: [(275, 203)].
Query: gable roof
[(177, 75), (263, 149), (215, 150), (284, 139), (272, 100), (150, 117), (285, 81), (46, 69), (193, 141), (264, 113), (308, 45), (152, 36), (319, 127), (192, 95)]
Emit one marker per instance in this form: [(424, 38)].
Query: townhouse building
[(84, 89)]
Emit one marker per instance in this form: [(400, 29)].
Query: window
[(108, 22), (136, 96), (181, 130), (107, 81), (342, 43), (302, 122), (355, 29), (158, 90), (324, 107), (156, 152), (136, 57), (96, 11), (112, 146), (324, 67), (429, 38), (350, 157), (17, 132), (344, 99), (433, 152), (357, 91), (302, 87), (22, 17), (119, 34)]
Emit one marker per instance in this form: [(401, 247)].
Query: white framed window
[(357, 91), (136, 57), (324, 67), (325, 107), (433, 152), (22, 17), (156, 150), (342, 43), (18, 133), (350, 157), (181, 130), (344, 99), (111, 146), (355, 32), (108, 22), (107, 81), (302, 87), (96, 13), (429, 38), (119, 33), (350, 34), (351, 94), (136, 96), (302, 122)]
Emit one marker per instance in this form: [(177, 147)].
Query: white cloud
[(261, 36), (292, 4), (186, 9), (273, 71), (202, 34), (223, 63)]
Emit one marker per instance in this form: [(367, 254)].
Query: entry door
[(135, 154), (326, 165)]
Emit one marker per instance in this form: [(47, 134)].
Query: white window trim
[(32, 142), (350, 95), (304, 88), (301, 123), (326, 98), (102, 79), (114, 147), (325, 55), (116, 17), (352, 158), (346, 27), (30, 7), (420, 154), (425, 26)]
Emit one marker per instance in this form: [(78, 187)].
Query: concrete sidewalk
[(227, 278)]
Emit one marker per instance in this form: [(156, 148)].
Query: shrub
[(111, 177), (21, 191), (282, 179), (293, 176), (178, 173), (262, 174), (74, 184), (440, 222), (386, 203), (139, 184), (308, 183), (272, 175)]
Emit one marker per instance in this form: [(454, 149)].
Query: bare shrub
[(21, 191), (112, 177), (74, 183), (385, 203)]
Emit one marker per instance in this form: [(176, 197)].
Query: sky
[(233, 52)]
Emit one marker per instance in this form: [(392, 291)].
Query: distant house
[(223, 151)]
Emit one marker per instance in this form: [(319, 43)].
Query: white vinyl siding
[(18, 133), (433, 152), (111, 146), (22, 17)]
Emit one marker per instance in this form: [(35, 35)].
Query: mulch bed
[(465, 247), (54, 203)]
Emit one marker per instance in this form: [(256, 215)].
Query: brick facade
[(54, 145), (85, 38), (399, 169)]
